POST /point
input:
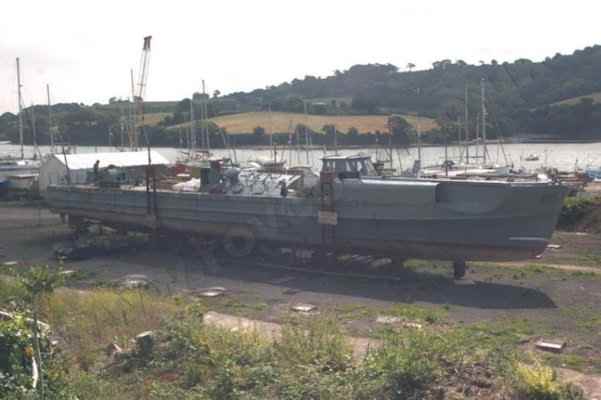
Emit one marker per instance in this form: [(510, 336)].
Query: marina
[(376, 233)]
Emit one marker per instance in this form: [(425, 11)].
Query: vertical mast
[(132, 113), (271, 132), (50, 131), (298, 142), (477, 135), (390, 149), (466, 128), (34, 132), (205, 117), (122, 130), (419, 140), (483, 98), (192, 141), (335, 139), (20, 108), (306, 129)]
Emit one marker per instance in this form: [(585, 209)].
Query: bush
[(409, 364), (320, 343), (575, 210), (16, 354), (538, 382)]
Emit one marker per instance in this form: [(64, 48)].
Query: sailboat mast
[(192, 141), (466, 128), (390, 149), (20, 108), (34, 131), (335, 140), (306, 125), (205, 117), (271, 132), (483, 98), (50, 131), (419, 139)]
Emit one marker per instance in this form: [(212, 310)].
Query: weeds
[(320, 343), (537, 382), (418, 313), (88, 321), (311, 360)]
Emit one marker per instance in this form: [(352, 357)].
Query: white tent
[(54, 168)]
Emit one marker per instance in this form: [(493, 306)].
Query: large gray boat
[(346, 208)]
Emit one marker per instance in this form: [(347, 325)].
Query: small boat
[(22, 182), (593, 174), (463, 171), (532, 157), (5, 142)]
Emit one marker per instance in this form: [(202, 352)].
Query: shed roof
[(118, 159)]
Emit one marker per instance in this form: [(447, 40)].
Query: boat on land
[(11, 166), (347, 208), (22, 182), (593, 174), (21, 173)]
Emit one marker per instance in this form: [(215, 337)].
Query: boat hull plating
[(421, 219)]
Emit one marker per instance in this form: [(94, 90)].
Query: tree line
[(520, 100)]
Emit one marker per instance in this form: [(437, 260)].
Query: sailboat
[(20, 173), (482, 167)]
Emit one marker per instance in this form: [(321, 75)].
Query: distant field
[(282, 121), (149, 106), (153, 119), (575, 100)]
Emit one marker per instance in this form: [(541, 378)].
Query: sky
[(85, 49)]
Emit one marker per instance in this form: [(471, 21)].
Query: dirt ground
[(546, 298)]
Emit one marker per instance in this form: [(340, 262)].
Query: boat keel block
[(459, 268)]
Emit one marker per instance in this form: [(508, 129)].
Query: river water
[(564, 156)]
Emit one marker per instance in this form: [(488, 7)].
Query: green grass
[(412, 312), (311, 360), (111, 316), (280, 122)]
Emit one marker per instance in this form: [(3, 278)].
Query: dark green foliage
[(519, 93), (575, 210), (578, 121)]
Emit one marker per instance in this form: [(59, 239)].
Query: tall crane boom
[(138, 97), (144, 64)]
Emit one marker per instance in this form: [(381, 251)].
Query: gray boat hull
[(401, 218)]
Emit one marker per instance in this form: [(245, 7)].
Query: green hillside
[(559, 96)]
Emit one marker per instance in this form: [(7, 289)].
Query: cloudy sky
[(85, 49)]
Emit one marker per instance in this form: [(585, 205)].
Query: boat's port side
[(406, 219)]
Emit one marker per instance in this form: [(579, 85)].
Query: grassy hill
[(282, 121), (515, 91), (153, 119)]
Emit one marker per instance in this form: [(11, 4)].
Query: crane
[(138, 96)]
